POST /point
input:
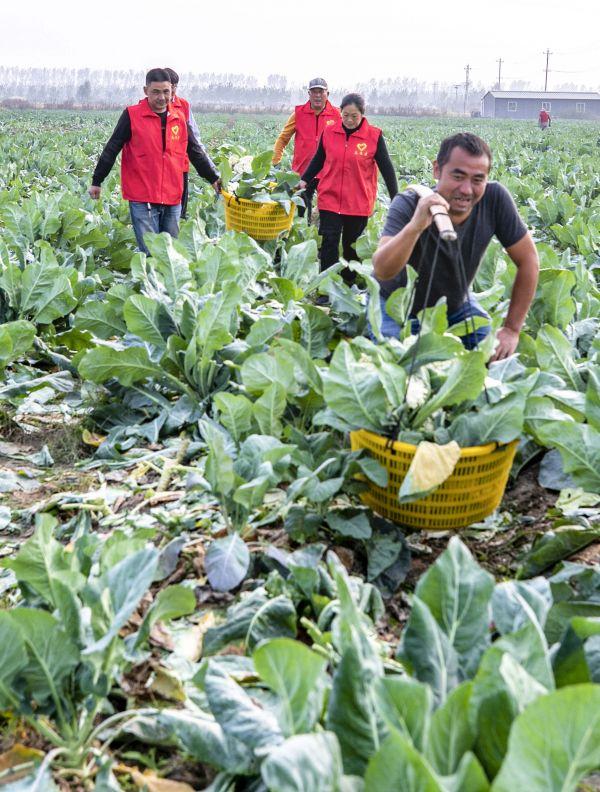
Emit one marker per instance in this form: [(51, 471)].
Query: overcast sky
[(343, 41)]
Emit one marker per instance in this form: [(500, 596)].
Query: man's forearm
[(394, 252), (525, 257), (284, 138), (523, 292), (203, 164), (199, 156), (120, 136)]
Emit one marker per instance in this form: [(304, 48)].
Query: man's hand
[(393, 252), (507, 341), (422, 217), (94, 192), (217, 186)]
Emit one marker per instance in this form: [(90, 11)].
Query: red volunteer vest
[(148, 173), (184, 106), (348, 181), (308, 132)]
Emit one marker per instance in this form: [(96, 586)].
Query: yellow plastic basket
[(261, 221), (470, 494)]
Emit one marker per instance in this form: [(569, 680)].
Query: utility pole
[(467, 70), (456, 87), (499, 62), (547, 54)]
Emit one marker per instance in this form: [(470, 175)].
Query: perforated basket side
[(471, 493), (261, 221)]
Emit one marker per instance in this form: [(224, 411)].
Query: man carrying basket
[(157, 141), (479, 209), (307, 123)]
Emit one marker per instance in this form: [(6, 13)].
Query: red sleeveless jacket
[(148, 173), (308, 132), (182, 104), (348, 181)]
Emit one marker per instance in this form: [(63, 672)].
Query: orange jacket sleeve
[(284, 138)]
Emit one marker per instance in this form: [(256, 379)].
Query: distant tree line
[(107, 89)]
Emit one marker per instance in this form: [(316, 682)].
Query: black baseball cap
[(318, 82)]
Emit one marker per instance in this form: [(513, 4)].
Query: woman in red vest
[(348, 156)]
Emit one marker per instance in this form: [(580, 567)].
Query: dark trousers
[(184, 196), (470, 340), (307, 196), (332, 228)]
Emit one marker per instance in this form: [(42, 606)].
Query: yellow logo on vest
[(330, 121), (361, 149), (175, 131)]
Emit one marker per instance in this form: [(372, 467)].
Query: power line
[(529, 64), (593, 48), (571, 71)]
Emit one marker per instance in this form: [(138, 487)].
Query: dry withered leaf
[(166, 685), (91, 438), (17, 756), (151, 782), (160, 636)]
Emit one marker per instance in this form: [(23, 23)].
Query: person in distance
[(544, 119)]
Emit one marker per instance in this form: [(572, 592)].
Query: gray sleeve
[(194, 127), (400, 213), (510, 228), (196, 130)]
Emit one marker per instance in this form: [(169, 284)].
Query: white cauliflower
[(417, 392), (440, 366), (366, 362), (244, 164)]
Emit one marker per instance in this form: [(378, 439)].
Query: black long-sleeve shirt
[(382, 160), (122, 135)]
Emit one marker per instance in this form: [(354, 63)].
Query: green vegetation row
[(212, 348)]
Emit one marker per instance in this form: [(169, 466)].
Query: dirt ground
[(522, 515)]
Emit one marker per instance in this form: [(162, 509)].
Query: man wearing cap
[(307, 122)]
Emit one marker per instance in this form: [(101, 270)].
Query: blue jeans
[(153, 217), (469, 308)]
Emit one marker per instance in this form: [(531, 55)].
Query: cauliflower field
[(193, 595)]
